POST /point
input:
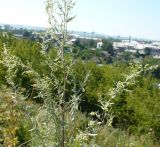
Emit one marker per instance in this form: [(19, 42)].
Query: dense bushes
[(134, 111)]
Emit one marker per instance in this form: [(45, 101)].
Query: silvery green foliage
[(59, 15), (129, 80), (47, 123), (136, 70), (10, 62), (44, 130), (59, 12)]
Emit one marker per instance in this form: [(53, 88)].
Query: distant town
[(120, 44)]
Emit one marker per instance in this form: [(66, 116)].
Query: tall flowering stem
[(59, 15)]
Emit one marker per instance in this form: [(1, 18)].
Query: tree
[(127, 56), (108, 46), (137, 54), (26, 34), (148, 51)]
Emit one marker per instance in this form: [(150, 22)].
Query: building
[(71, 41), (99, 44), (135, 46)]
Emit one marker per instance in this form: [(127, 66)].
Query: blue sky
[(137, 18)]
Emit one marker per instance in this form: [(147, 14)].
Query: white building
[(134, 46), (71, 42), (99, 44)]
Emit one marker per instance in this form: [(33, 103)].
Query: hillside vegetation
[(29, 100), (54, 94)]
